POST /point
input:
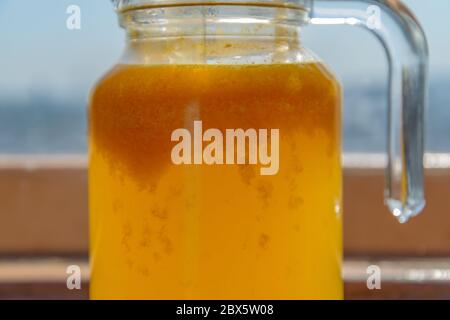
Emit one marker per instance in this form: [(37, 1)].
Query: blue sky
[(39, 54)]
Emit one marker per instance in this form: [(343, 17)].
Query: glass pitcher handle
[(405, 44)]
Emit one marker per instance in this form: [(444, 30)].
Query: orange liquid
[(165, 231)]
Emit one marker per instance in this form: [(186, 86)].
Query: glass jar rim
[(126, 5)]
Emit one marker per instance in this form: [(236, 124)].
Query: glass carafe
[(215, 149)]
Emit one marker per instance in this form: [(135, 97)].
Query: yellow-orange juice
[(164, 231)]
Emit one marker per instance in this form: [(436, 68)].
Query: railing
[(43, 213)]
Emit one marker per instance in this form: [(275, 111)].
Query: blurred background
[(47, 71)]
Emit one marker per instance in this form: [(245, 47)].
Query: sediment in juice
[(165, 231)]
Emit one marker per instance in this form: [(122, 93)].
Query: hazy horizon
[(48, 71)]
